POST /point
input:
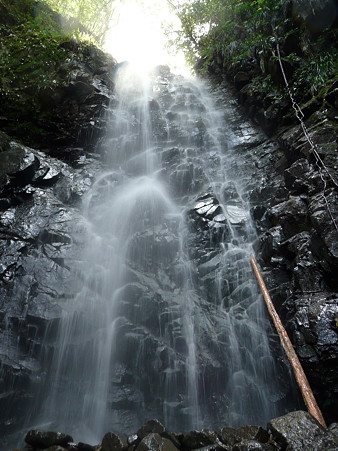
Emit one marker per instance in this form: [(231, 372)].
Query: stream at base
[(168, 321)]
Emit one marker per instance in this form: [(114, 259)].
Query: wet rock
[(333, 428), (207, 215), (133, 439), (46, 439), (315, 335), (269, 194), (153, 248), (237, 215), (248, 445), (292, 215), (154, 442), (113, 442), (302, 177), (300, 431), (199, 439), (321, 213), (25, 174), (80, 90), (231, 436), (36, 256), (210, 266), (154, 426), (18, 165), (269, 243)]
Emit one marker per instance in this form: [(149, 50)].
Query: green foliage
[(316, 71), (29, 57), (29, 61), (85, 19), (31, 54), (81, 19), (226, 32)]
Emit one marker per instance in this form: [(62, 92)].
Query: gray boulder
[(299, 431)]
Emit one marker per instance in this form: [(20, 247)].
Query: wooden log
[(290, 352)]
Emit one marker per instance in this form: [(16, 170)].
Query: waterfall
[(167, 321)]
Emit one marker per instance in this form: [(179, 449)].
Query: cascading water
[(167, 321)]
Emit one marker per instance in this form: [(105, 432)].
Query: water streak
[(167, 320)]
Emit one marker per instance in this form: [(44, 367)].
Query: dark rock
[(321, 213), (231, 436), (154, 426), (248, 445), (300, 431), (333, 428), (4, 142), (46, 439), (301, 177), (154, 442), (85, 447), (292, 215), (113, 442), (57, 448), (269, 243), (241, 79), (314, 329), (19, 164), (199, 439)]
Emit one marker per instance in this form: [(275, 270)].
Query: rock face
[(43, 236), (295, 213), (39, 210), (77, 109), (294, 203), (39, 203)]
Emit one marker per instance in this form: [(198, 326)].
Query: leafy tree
[(223, 32), (198, 18), (85, 18)]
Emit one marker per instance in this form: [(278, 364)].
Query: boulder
[(154, 426), (299, 431), (113, 442), (199, 439), (154, 442), (46, 439), (231, 436)]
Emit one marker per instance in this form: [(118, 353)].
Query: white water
[(137, 241)]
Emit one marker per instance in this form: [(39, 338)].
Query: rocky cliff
[(295, 202), (40, 196)]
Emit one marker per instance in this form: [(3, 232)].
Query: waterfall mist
[(167, 321)]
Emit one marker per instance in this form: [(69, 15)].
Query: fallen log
[(290, 352)]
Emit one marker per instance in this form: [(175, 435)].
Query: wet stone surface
[(42, 237), (37, 219), (296, 431)]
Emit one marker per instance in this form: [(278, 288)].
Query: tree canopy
[(229, 31), (86, 18)]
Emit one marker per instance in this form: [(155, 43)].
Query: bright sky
[(138, 37)]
